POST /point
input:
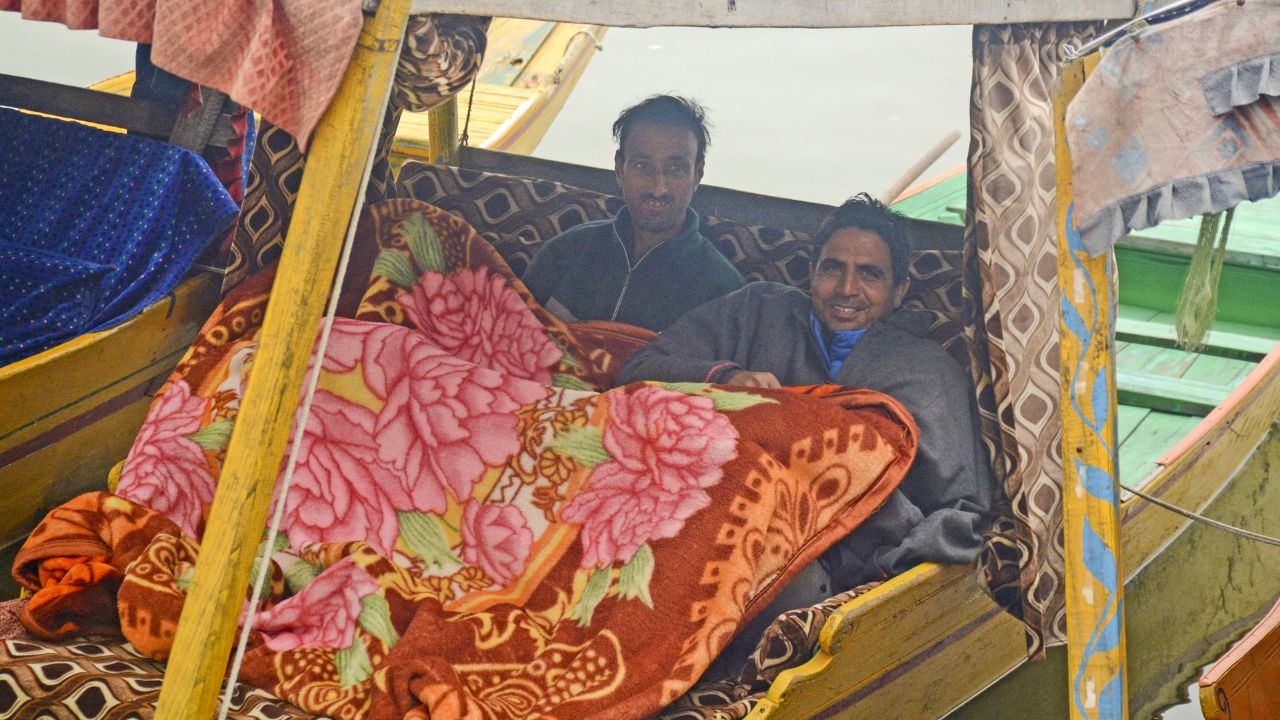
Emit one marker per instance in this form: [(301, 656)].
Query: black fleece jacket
[(588, 272)]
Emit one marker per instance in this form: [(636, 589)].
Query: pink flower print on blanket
[(339, 493), (444, 421), (476, 316), (667, 447), (496, 539), (166, 470), (353, 342), (323, 614)]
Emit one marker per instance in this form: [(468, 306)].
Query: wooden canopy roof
[(789, 13)]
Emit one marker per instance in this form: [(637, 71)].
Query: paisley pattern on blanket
[(476, 527)]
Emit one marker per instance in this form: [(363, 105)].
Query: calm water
[(49, 51), (810, 114)]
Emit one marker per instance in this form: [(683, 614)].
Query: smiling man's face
[(852, 283), (658, 170)]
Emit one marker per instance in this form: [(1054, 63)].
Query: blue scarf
[(842, 342)]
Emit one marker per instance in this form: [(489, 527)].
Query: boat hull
[(511, 111), (1184, 608), (72, 411), (888, 651), (1242, 684)]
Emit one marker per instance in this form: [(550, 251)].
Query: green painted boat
[(1163, 390), (1164, 394)]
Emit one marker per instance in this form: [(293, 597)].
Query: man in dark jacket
[(848, 330), (649, 264)]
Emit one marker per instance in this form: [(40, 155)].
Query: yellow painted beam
[(336, 168), (1097, 679)]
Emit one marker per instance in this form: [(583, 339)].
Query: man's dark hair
[(671, 110), (863, 212)]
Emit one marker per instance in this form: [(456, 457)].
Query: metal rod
[(1070, 52)]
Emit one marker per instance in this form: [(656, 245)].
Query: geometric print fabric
[(86, 680), (1010, 311)]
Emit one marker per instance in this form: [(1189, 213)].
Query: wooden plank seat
[(1220, 343), (1175, 395)]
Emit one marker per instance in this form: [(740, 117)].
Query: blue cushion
[(104, 223)]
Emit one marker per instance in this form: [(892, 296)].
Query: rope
[(309, 390), (1198, 301), (466, 125), (1202, 519)]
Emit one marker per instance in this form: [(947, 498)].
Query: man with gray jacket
[(849, 330)]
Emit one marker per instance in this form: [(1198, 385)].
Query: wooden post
[(336, 168), (1097, 681), (442, 132)]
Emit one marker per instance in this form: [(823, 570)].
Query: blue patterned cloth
[(94, 227)]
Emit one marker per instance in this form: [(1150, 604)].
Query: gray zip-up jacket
[(588, 272)]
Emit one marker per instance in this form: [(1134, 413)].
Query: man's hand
[(748, 378)]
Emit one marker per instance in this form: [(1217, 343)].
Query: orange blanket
[(475, 529)]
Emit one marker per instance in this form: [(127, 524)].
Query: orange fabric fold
[(74, 562)]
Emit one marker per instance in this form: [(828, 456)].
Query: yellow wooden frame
[(1098, 683), (338, 165)]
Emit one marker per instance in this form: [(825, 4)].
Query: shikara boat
[(1165, 392), (529, 70), (922, 643), (103, 381), (1171, 404)]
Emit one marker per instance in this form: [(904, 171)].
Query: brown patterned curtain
[(1011, 301), (442, 53)]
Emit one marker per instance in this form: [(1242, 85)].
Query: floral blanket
[(475, 528)]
